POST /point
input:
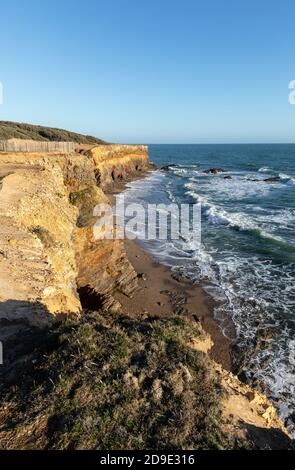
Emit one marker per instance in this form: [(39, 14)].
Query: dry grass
[(111, 382)]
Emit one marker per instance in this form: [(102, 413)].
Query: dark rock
[(242, 376), (214, 171), (274, 179), (228, 177), (266, 333), (263, 337), (178, 277), (167, 167), (264, 345), (142, 276), (196, 318)]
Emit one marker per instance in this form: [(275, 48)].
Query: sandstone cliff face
[(48, 255), (37, 265), (113, 162)]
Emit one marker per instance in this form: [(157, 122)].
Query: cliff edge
[(48, 254)]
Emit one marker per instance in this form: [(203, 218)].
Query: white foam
[(285, 218), (170, 193), (289, 180), (217, 217), (265, 170)]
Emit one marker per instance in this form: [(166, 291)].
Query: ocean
[(247, 258)]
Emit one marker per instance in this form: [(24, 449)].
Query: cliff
[(115, 162), (48, 254)]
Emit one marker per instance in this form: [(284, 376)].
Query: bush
[(16, 130)]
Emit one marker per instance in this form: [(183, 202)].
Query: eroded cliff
[(48, 253)]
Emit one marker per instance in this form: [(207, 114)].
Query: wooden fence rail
[(36, 146)]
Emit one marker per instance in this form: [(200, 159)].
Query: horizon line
[(203, 143)]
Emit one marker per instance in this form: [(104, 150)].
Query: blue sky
[(151, 71)]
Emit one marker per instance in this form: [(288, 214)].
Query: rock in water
[(214, 171), (274, 179)]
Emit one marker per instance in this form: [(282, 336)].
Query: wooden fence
[(19, 145)]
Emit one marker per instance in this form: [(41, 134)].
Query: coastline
[(160, 295), (121, 294)]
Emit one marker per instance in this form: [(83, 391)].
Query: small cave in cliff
[(90, 299)]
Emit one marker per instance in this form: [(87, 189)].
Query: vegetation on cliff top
[(111, 382), (16, 130)]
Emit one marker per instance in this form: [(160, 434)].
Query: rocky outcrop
[(49, 260), (249, 415), (118, 162)]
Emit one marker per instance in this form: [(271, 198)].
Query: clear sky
[(153, 71)]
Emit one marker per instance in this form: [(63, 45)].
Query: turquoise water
[(247, 260)]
